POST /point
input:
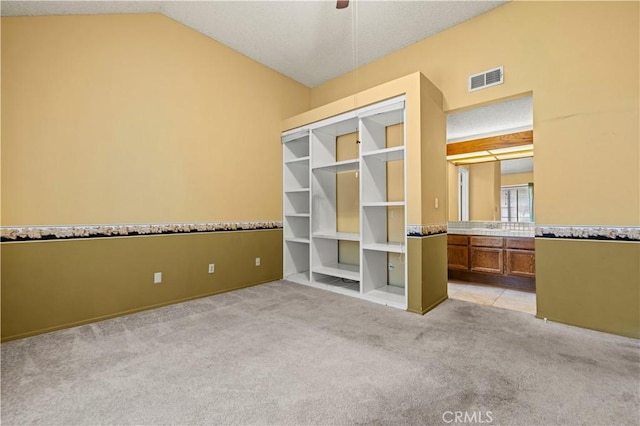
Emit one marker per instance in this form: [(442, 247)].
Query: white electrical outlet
[(212, 268), (257, 261), (157, 277)]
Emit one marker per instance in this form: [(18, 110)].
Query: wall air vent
[(486, 79)]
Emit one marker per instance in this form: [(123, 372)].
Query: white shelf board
[(388, 247), (298, 161), (387, 154), (383, 204), (346, 236), (297, 190), (297, 214), (302, 240), (388, 295), (341, 270), (340, 166)]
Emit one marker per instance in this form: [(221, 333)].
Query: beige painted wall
[(484, 191), (562, 52), (137, 119), (516, 179)]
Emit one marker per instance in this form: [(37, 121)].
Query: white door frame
[(463, 193)]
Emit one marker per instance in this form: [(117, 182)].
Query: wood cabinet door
[(486, 259), (520, 262), (458, 257)]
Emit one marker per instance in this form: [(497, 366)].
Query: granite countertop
[(492, 228)]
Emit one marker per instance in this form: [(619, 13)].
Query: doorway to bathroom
[(491, 245)]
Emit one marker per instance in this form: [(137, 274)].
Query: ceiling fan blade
[(342, 4)]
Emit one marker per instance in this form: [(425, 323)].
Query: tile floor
[(499, 297)]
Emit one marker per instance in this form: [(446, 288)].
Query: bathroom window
[(516, 203)]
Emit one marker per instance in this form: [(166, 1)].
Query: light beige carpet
[(281, 353)]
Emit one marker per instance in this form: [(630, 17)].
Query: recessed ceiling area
[(309, 41), (499, 118), (520, 165)]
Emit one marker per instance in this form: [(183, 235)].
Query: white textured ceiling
[(519, 165), (309, 41), (491, 120)]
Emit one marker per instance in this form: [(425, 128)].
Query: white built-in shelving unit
[(297, 205), (311, 238)]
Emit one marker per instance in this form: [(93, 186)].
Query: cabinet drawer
[(486, 241), (486, 259), (520, 262), (458, 240), (520, 243), (458, 257)]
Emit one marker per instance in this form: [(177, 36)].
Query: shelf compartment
[(325, 259), (382, 181), (324, 137), (339, 270), (373, 129), (388, 154), (296, 227), (296, 176), (296, 146), (345, 236), (296, 259), (383, 225), (377, 274), (330, 210), (296, 202)]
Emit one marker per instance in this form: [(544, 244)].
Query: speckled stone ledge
[(37, 233), (426, 230), (602, 233)]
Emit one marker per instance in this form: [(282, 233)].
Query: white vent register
[(486, 79)]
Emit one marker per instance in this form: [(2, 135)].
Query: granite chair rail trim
[(42, 233), (38, 233), (426, 230), (596, 232)]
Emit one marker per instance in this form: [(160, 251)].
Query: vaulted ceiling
[(309, 41)]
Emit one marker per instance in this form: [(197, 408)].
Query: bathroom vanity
[(492, 253)]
